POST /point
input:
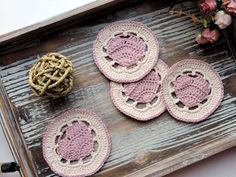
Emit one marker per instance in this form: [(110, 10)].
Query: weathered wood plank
[(156, 147)]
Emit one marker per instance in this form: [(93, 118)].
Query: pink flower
[(207, 35), (222, 19), (207, 6), (230, 6), (200, 40), (211, 36)]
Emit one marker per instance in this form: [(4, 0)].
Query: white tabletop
[(11, 14)]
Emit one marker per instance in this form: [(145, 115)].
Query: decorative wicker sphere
[(51, 75)]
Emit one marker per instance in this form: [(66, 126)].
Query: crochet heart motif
[(143, 91), (126, 50), (76, 142), (191, 90)]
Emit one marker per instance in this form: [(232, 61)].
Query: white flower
[(222, 19)]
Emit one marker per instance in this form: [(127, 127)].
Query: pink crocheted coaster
[(192, 90), (141, 100), (125, 51), (76, 144)]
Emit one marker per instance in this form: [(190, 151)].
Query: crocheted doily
[(76, 144), (141, 100), (192, 90), (125, 51)]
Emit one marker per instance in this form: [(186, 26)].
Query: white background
[(15, 14)]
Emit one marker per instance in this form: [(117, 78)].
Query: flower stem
[(189, 15)]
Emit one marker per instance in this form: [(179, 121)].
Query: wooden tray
[(154, 148)]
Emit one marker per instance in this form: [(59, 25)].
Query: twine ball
[(51, 75)]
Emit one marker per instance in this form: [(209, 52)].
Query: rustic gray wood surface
[(152, 148)]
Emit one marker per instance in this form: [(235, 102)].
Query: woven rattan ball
[(51, 75)]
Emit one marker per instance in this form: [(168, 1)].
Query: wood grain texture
[(153, 148)]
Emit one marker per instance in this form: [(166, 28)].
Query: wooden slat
[(14, 137), (154, 148)]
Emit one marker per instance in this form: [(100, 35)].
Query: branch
[(189, 15)]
